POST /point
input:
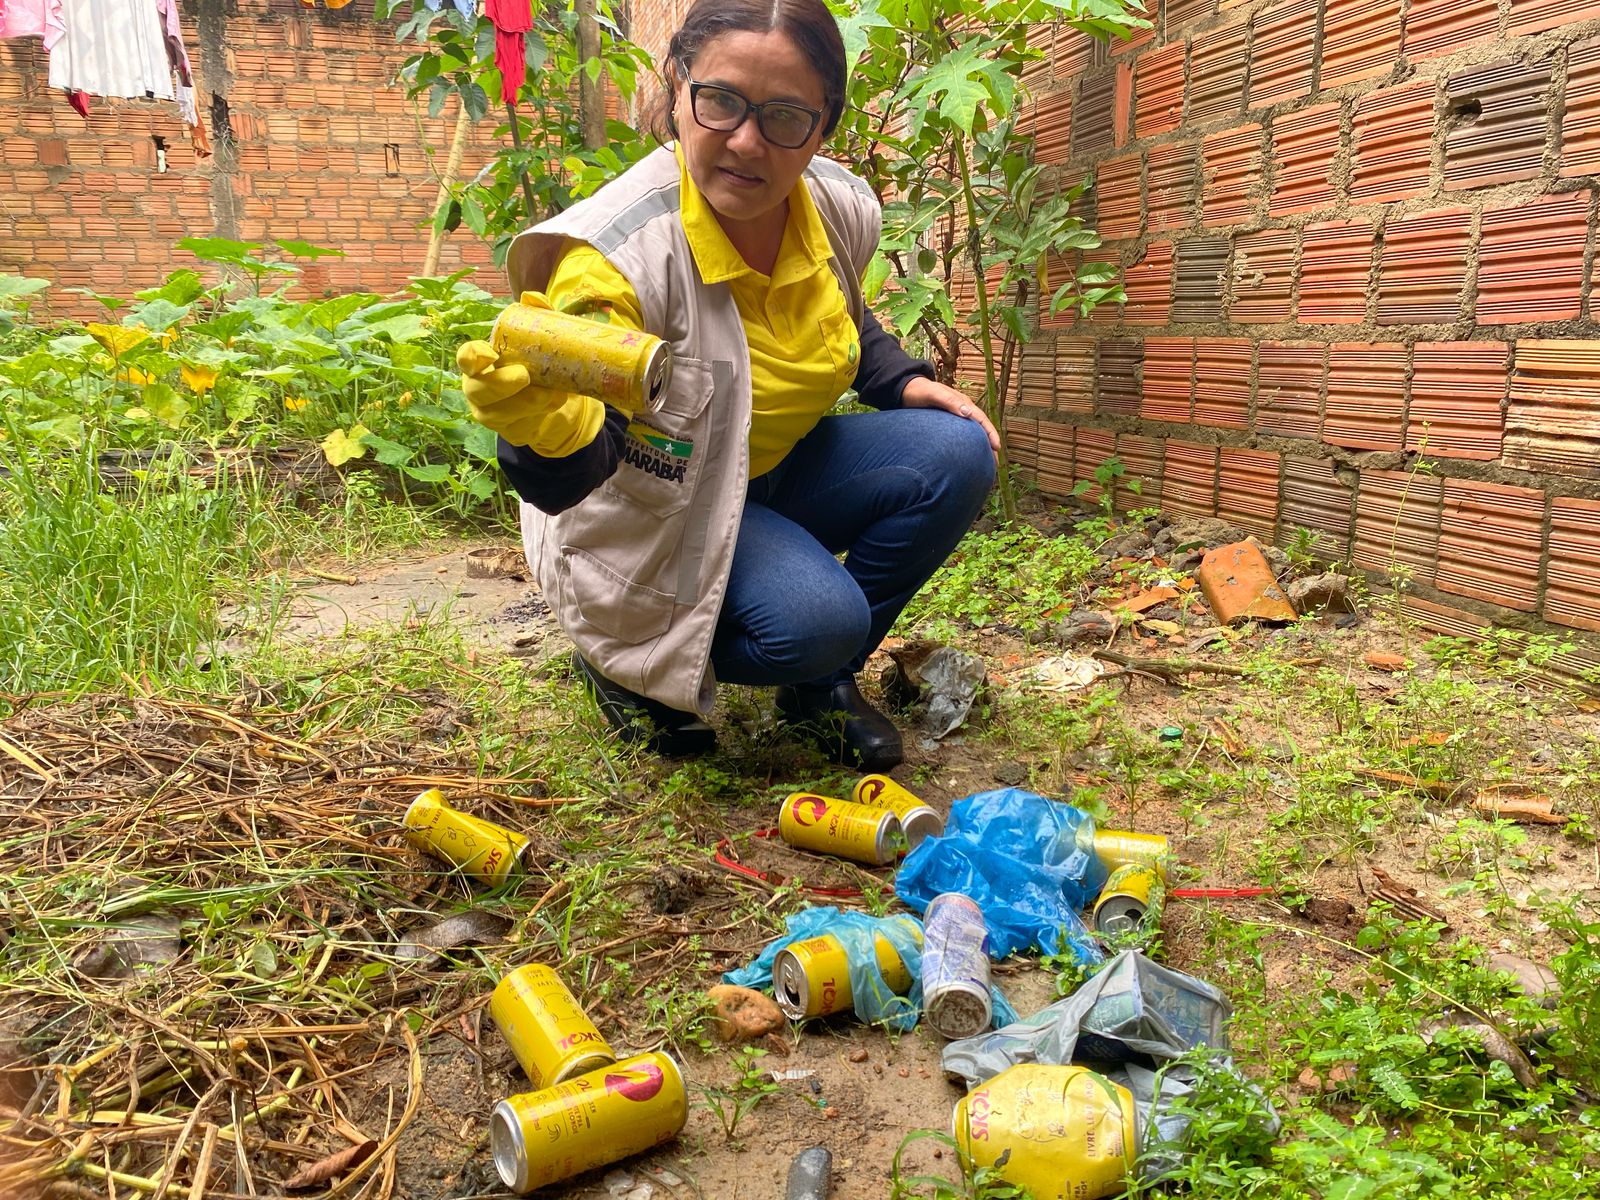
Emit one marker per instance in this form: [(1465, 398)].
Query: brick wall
[(1357, 235), (311, 142)]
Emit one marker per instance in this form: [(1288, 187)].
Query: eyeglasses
[(724, 110)]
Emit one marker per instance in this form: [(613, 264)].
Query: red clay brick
[(1189, 480), (1305, 146), (1397, 523), (1366, 395), (1393, 144), (1335, 266), (1359, 40), (1247, 490), (1580, 128), (1052, 124), (1122, 105), (1231, 165), (1168, 379), (1148, 285), (1217, 73), (1281, 53), (1159, 88), (1435, 27), (1263, 277), (1289, 379), (1572, 574), (1530, 260), (1533, 16), (1222, 372), (1458, 390), (1553, 418), (1423, 268), (1170, 184), (1118, 204), (1489, 542)]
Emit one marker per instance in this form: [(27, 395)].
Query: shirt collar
[(805, 240)]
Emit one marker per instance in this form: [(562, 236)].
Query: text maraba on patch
[(656, 454)]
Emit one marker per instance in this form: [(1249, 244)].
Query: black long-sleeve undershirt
[(553, 485)]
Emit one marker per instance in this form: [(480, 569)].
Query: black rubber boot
[(847, 728), (639, 719)]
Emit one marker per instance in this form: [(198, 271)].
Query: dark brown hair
[(806, 23)]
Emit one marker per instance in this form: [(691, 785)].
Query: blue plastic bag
[(1029, 863), (873, 999)]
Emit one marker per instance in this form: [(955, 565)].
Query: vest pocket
[(613, 604), (663, 451)]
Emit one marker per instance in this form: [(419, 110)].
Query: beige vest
[(636, 572)]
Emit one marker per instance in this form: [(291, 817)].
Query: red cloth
[(79, 101), (511, 19)]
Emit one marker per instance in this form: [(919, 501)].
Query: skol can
[(917, 819), (1057, 1132), (590, 1121), (811, 978), (627, 368), (481, 849), (1133, 893), (546, 1027), (840, 827), (1116, 848), (955, 967)]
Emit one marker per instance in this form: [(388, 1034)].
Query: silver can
[(955, 967)]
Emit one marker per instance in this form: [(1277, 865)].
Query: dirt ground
[(858, 1091)]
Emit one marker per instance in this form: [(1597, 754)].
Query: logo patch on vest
[(654, 453)]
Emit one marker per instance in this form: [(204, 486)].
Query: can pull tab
[(810, 1175)]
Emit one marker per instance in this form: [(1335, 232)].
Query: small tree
[(933, 122), (542, 161)]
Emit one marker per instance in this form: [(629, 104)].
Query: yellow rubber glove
[(551, 424)]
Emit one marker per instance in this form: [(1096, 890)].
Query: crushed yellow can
[(627, 368), (485, 851), (1058, 1132), (918, 819), (546, 1027), (841, 827), (589, 1121), (1118, 848), (1132, 894), (811, 978)]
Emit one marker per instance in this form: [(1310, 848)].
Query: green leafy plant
[(1108, 478), (972, 1182), (731, 1105), (1014, 576), (934, 122)]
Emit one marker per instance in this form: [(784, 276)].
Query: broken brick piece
[(1240, 586), (1386, 662)]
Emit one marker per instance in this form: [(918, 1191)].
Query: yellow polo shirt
[(804, 348)]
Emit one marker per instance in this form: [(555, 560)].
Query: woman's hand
[(921, 392)]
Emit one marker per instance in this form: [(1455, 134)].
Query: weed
[(1013, 576), (731, 1105), (1108, 478), (974, 1183)]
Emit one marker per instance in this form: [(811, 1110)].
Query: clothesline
[(113, 48)]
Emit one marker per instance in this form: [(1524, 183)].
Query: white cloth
[(112, 48)]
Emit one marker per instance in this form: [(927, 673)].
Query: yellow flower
[(404, 401), (199, 379), (295, 403), (168, 338), (135, 376)]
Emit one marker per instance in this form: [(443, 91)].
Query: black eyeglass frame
[(696, 86)]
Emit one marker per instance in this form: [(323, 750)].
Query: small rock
[(830, 1112), (1199, 532), (743, 1014), (1012, 774), (877, 1068), (1085, 625), (1547, 756), (1329, 912), (904, 1074), (1135, 541), (1327, 592), (1537, 981), (1278, 752), (1277, 559), (859, 1055)]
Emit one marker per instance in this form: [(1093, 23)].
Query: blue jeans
[(891, 491)]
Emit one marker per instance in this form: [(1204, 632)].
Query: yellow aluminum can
[(627, 368), (1116, 848), (485, 851), (1058, 1132), (811, 978), (918, 819), (839, 827), (590, 1121), (546, 1027), (1132, 894)]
